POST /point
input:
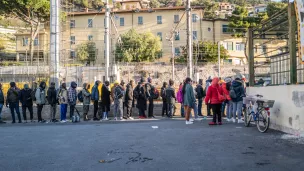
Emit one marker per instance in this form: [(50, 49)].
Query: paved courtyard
[(135, 145)]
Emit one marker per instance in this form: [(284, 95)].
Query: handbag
[(220, 97)]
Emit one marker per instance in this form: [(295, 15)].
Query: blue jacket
[(95, 92), (237, 86)]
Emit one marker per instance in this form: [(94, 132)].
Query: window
[(122, 21), (225, 28), (160, 35), (177, 51), (194, 35), (25, 41), (72, 24), (159, 19), (176, 18), (140, 20), (73, 55), (194, 18), (90, 37), (229, 45), (160, 54), (90, 23), (264, 48), (36, 41), (72, 40), (228, 61), (239, 46), (177, 36)]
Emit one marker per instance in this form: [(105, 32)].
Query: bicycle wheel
[(247, 117), (263, 121)]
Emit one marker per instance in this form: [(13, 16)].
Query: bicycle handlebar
[(258, 95)]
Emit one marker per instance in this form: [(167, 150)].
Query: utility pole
[(107, 40), (219, 58), (54, 44), (292, 42), (251, 57), (189, 41), (172, 53)]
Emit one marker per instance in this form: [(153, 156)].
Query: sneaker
[(233, 120), (55, 120), (212, 123), (20, 122), (220, 123), (105, 119), (13, 122), (115, 119), (2, 122), (228, 120), (131, 118), (32, 121), (189, 122), (95, 119), (240, 121), (63, 121), (197, 119)]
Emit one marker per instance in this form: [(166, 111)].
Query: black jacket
[(12, 95), (1, 97), (105, 96), (237, 86), (26, 97), (52, 96), (200, 91), (142, 98), (170, 95), (129, 92)]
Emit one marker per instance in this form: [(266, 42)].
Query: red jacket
[(225, 91), (212, 94)]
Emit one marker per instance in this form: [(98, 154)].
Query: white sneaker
[(233, 120), (240, 121), (197, 119), (115, 119), (63, 121), (105, 119), (189, 122), (131, 118), (228, 120)]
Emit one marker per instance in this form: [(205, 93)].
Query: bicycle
[(262, 115)]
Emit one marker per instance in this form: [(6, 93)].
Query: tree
[(274, 7), (154, 4), (32, 12), (210, 7), (86, 52), (206, 51), (179, 3), (137, 47), (239, 22), (165, 3)]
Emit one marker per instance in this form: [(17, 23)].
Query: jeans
[(237, 108), (182, 110), (195, 111), (229, 109), (216, 110), (15, 107), (164, 109), (63, 111), (151, 106), (170, 109), (223, 108), (1, 106), (30, 109), (72, 108), (39, 110), (200, 104), (118, 108), (53, 111)]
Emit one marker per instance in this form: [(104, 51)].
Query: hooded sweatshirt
[(72, 94), (213, 92), (52, 95), (95, 92), (25, 96), (226, 89), (86, 94), (40, 94), (238, 87)]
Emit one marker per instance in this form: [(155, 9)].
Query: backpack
[(33, 96), (163, 93), (232, 93), (155, 94), (80, 96), (180, 97), (136, 92)]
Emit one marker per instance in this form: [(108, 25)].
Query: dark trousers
[(95, 107), (30, 109), (129, 104), (142, 112), (72, 108), (208, 109), (199, 107), (39, 110), (15, 107), (216, 110), (164, 109), (151, 106)]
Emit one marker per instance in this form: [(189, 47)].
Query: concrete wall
[(287, 115)]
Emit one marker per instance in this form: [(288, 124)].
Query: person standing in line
[(179, 96), (86, 101), (164, 98), (13, 101), (53, 101), (40, 100), (189, 99), (129, 100), (150, 92), (170, 98), (26, 101), (237, 101), (63, 100), (106, 100), (195, 109), (118, 101), (228, 103), (1, 102), (213, 98), (200, 95), (95, 98), (208, 84), (142, 99), (72, 98)]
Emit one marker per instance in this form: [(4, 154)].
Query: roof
[(129, 11)]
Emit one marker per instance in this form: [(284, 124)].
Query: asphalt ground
[(159, 144)]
